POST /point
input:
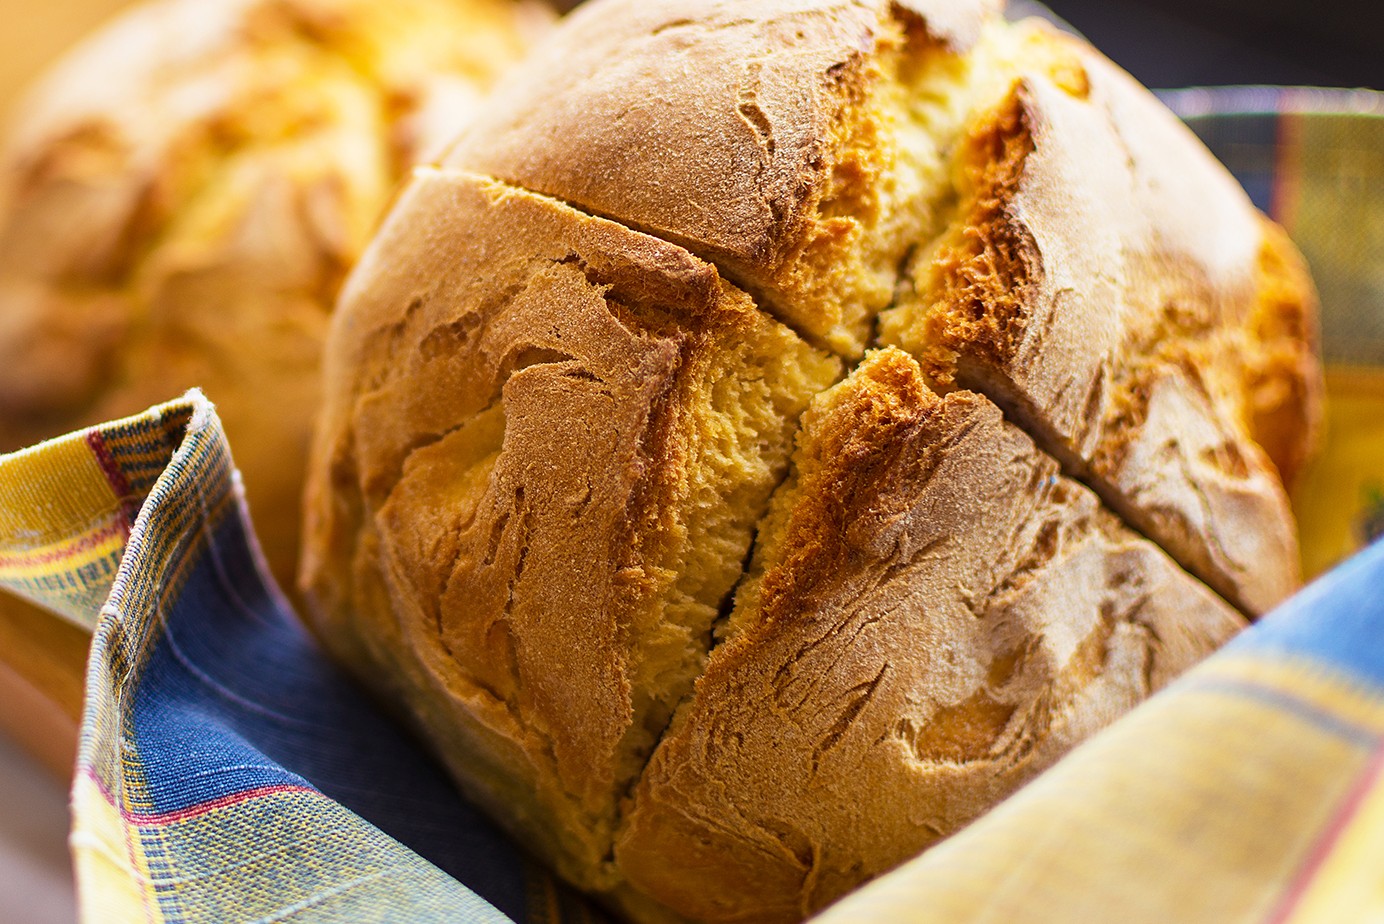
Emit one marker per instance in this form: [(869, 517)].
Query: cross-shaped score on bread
[(778, 429)]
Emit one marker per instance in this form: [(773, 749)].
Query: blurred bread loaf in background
[(52, 28), (180, 198), (778, 429)]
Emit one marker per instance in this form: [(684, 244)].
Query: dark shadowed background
[(1178, 43), (1175, 43)]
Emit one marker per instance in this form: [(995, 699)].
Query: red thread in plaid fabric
[(1321, 850)]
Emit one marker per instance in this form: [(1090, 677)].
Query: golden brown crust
[(988, 271), (1105, 283), (556, 534), (552, 430), (934, 615), (1284, 381), (729, 114)]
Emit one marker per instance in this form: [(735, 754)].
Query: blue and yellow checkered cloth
[(228, 772)]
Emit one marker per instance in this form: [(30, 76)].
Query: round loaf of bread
[(182, 196), (777, 429)]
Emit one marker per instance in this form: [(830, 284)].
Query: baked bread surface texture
[(1010, 207), (182, 196), (547, 442), (775, 431), (933, 615), (759, 132), (1110, 285)]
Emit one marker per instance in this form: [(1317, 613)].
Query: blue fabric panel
[(1336, 620), (237, 696)]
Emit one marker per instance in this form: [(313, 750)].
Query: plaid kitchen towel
[(228, 773), (1250, 790)]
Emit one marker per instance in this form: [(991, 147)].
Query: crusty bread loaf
[(1109, 284), (702, 460), (934, 613), (551, 443), (1084, 261), (181, 197)]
